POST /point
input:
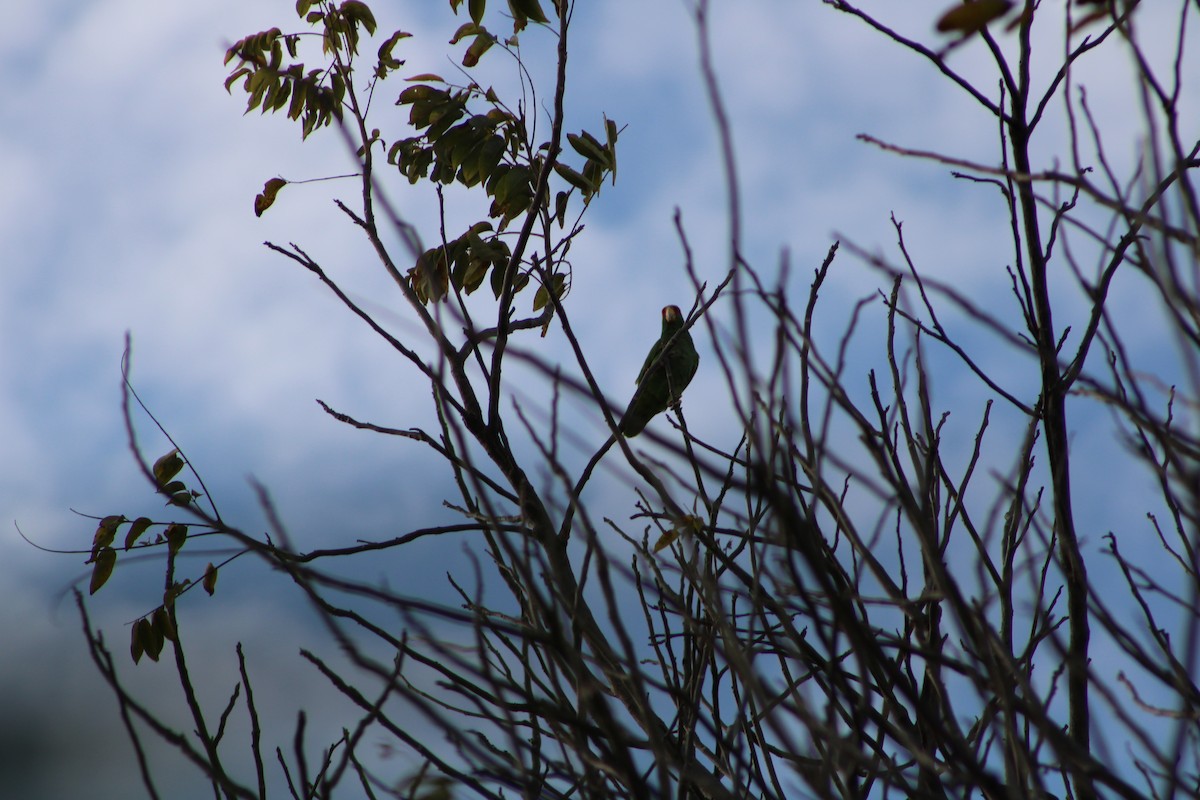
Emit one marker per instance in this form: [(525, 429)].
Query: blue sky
[(126, 181)]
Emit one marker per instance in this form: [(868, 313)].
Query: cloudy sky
[(127, 176)]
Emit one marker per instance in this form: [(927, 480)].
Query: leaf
[(530, 9), (173, 593), (483, 42), (359, 12), (135, 644), (106, 531), (542, 296), (385, 50), (139, 526), (665, 540), (233, 76), (488, 157), (264, 200), (210, 579), (686, 524), (497, 282), (476, 8), (973, 16), (167, 467), (476, 271), (425, 76), (163, 626), (106, 559), (149, 639), (430, 276), (418, 94), (587, 146), (610, 129), (512, 193), (560, 208), (299, 95), (575, 179), (465, 30), (176, 535)]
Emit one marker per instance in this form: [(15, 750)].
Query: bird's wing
[(651, 357)]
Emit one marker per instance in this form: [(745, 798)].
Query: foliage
[(820, 613)]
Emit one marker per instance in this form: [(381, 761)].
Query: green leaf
[(498, 281), (430, 276), (139, 526), (210, 579), (575, 179), (173, 593), (488, 157), (445, 115), (542, 296), (512, 193), (359, 12), (476, 271), (385, 50), (465, 30), (167, 467), (233, 76), (266, 198), (527, 9), (150, 640), (610, 128), (299, 96), (135, 644), (176, 535), (560, 208), (973, 16), (587, 146), (483, 42), (476, 8), (163, 626), (419, 94), (278, 96), (106, 531), (106, 559)]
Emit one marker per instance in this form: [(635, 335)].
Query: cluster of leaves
[(489, 149), (464, 134), (150, 633), (315, 96), (466, 261)]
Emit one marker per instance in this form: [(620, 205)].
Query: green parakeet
[(664, 376)]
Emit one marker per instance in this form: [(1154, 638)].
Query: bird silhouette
[(668, 370)]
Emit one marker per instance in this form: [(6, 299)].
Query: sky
[(127, 176)]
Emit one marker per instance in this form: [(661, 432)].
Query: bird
[(668, 370)]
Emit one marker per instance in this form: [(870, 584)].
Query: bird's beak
[(671, 313)]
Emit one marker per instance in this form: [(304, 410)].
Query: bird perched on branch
[(668, 369)]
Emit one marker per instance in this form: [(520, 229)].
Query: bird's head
[(671, 314)]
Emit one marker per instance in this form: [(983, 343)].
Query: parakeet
[(662, 380)]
